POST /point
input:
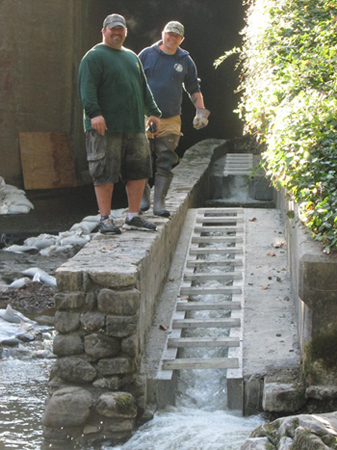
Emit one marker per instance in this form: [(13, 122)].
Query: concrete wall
[(314, 285), (40, 47)]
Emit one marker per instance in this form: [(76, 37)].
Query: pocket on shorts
[(95, 154), (95, 146)]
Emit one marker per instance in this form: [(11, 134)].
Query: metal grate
[(238, 164)]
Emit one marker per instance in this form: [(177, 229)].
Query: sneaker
[(108, 226), (138, 223)]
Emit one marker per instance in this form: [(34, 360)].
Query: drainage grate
[(238, 164), (215, 256)]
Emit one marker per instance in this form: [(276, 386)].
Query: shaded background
[(211, 27), (43, 41)]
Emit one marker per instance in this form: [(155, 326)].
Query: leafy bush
[(289, 103)]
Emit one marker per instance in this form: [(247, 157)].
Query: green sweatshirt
[(112, 84)]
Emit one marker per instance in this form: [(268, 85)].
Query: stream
[(199, 421)]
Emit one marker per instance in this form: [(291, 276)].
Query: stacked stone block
[(98, 357)]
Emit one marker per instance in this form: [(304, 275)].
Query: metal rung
[(227, 219), (207, 323), (206, 291), (202, 306), (201, 363), (218, 211), (223, 262), (239, 166), (211, 251), (237, 172), (215, 240), (203, 342), (226, 276), (222, 229)]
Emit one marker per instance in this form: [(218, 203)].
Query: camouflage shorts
[(118, 155)]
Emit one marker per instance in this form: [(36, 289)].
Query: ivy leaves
[(289, 103)]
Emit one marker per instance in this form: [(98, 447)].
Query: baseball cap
[(114, 20), (174, 27)]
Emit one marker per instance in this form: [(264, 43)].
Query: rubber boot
[(161, 187), (145, 202)]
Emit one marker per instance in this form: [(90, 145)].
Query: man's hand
[(98, 123), (201, 118), (153, 120)]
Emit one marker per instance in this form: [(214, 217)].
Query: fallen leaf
[(278, 279)]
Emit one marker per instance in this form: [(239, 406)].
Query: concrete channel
[(138, 289)]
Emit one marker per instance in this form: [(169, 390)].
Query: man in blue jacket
[(169, 69)]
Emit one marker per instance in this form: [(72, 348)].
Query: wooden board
[(46, 160)]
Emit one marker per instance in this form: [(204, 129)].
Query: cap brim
[(116, 24), (171, 30)]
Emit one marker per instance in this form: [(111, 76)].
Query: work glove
[(201, 118)]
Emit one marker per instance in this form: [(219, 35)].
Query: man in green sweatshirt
[(116, 98)]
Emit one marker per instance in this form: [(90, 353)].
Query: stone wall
[(105, 303)]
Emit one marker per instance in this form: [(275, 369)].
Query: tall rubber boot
[(145, 202), (161, 187)]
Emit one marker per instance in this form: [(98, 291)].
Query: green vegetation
[(289, 104)]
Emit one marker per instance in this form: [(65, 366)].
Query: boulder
[(68, 407)]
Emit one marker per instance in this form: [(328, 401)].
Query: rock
[(92, 321), (118, 303), (117, 404), (257, 444), (68, 407), (74, 370), (305, 439), (66, 322), (278, 397), (99, 346), (115, 366), (65, 345), (11, 342), (305, 431), (285, 443)]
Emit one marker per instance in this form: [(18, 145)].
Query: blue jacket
[(168, 75)]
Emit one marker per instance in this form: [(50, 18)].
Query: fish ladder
[(211, 286)]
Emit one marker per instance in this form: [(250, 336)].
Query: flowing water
[(200, 421), (24, 375)]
